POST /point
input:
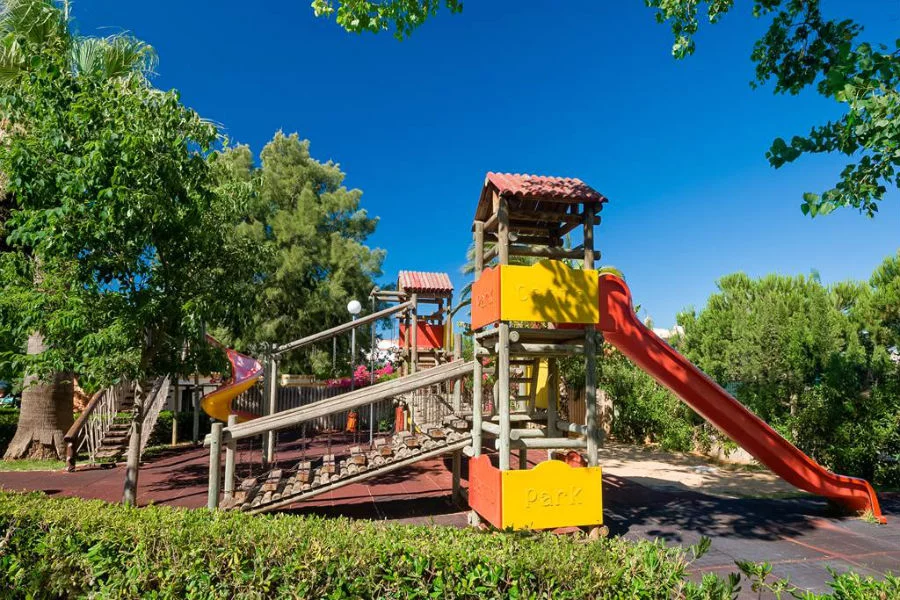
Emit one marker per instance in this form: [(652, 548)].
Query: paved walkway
[(798, 535)]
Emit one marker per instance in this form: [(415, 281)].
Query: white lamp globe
[(354, 307)]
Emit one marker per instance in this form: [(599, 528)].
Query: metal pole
[(215, 463), (372, 379), (230, 454), (352, 355)]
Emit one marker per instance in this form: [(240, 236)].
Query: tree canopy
[(818, 363), (119, 243), (312, 233), (802, 48)]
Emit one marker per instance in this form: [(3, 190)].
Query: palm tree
[(28, 29)]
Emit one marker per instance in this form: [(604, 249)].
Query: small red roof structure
[(535, 188), (420, 282)]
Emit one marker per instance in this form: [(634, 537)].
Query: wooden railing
[(94, 422), (152, 408)]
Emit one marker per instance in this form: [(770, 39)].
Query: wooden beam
[(334, 331), (547, 443), (544, 252), (545, 349), (546, 216)]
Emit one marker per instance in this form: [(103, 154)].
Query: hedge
[(162, 433), (9, 417), (73, 548)]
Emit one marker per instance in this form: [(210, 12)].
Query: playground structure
[(525, 318)]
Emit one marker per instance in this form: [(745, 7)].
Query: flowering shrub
[(363, 377)]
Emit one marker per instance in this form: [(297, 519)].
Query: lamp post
[(354, 308)]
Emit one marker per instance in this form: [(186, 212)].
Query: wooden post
[(552, 399), (479, 248), (457, 385), (267, 375), (590, 350), (195, 437), (414, 331), (230, 456), (457, 406), (176, 399), (215, 464), (503, 231), (272, 384), (503, 345)]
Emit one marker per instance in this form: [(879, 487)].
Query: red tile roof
[(418, 281), (562, 190)]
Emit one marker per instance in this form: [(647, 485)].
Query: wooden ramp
[(280, 487), (307, 479)]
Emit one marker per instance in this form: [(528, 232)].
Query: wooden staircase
[(104, 427), (282, 487), (115, 441)]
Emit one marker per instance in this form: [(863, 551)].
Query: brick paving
[(799, 536)]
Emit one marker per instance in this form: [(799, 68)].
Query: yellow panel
[(549, 291), (540, 400), (551, 495)]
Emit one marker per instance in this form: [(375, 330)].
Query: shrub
[(9, 417), (77, 548), (162, 433), (73, 548)]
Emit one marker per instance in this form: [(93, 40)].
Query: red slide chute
[(622, 329)]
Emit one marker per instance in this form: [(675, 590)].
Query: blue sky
[(524, 86)]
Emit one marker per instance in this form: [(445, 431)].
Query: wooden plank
[(542, 252), (387, 468)]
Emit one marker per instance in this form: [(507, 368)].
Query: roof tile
[(419, 281)]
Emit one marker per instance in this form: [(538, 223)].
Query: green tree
[(773, 336), (801, 49), (313, 232), (375, 16), (814, 362), (120, 246)]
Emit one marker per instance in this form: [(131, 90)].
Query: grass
[(32, 465)]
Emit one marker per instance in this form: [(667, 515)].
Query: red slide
[(622, 329)]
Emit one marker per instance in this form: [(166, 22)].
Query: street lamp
[(354, 308)]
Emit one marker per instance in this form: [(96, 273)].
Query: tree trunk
[(132, 467), (46, 413)]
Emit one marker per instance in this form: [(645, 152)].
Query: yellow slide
[(245, 372)]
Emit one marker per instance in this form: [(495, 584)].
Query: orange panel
[(429, 335), (486, 298), (484, 490)]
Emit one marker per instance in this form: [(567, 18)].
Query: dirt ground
[(675, 471)]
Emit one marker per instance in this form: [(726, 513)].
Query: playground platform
[(797, 534)]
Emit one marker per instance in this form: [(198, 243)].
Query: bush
[(76, 548), (9, 417), (162, 433), (73, 548)]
